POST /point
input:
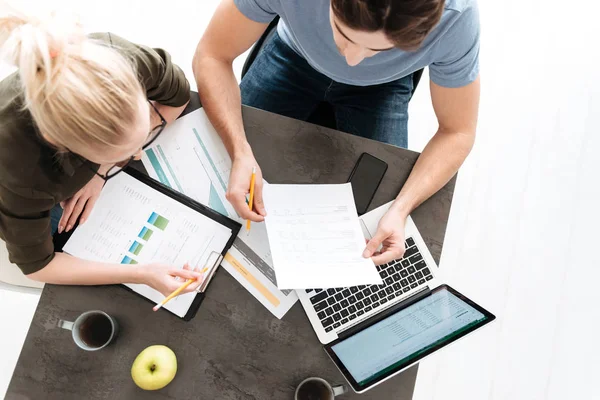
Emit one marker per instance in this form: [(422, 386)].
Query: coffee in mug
[(318, 389), (92, 330)]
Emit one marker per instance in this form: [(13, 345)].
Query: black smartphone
[(365, 179)]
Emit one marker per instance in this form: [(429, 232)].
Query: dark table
[(234, 348)]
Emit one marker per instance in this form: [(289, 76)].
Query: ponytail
[(82, 94)]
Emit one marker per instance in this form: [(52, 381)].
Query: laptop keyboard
[(340, 306)]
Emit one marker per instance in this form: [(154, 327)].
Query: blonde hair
[(82, 94)]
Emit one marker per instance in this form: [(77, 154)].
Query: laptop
[(373, 332)]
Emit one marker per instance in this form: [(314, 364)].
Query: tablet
[(387, 344)]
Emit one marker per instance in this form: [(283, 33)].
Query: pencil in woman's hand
[(178, 291)]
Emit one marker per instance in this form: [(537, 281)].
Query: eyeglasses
[(154, 133)]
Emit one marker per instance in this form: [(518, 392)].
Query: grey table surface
[(234, 348)]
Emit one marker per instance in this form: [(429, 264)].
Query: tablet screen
[(408, 335)]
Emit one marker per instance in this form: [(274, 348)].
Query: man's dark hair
[(406, 23)]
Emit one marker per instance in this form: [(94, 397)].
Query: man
[(358, 55)]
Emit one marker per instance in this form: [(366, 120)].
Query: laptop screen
[(408, 335)]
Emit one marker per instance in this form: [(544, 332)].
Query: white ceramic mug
[(318, 389), (92, 330)]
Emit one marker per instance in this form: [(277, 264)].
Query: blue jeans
[(55, 215), (281, 81)]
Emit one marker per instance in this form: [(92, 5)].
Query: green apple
[(154, 368)]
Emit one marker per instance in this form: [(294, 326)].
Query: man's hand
[(389, 235), (83, 200), (239, 187)]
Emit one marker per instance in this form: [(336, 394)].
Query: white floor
[(523, 228)]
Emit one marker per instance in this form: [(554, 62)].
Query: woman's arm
[(68, 270)]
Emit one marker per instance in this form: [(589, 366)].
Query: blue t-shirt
[(451, 50)]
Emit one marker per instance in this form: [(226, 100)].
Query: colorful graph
[(158, 221), (210, 160), (146, 233), (136, 248), (215, 202), (156, 164), (128, 260), (162, 154)]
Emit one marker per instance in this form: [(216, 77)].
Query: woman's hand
[(81, 203), (164, 278)]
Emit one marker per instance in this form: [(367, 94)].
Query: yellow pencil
[(250, 202), (177, 291)]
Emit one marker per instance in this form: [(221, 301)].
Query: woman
[(77, 107)]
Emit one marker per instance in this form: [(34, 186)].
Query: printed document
[(132, 223), (316, 238)]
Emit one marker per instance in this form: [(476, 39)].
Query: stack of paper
[(191, 158)]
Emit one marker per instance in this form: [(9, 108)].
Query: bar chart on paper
[(192, 159), (135, 246), (145, 234), (158, 221)]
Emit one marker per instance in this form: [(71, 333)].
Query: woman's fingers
[(193, 286), (185, 273), (76, 212), (88, 209), (67, 206)]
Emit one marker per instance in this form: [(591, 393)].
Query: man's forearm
[(68, 270), (220, 96), (437, 164)]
